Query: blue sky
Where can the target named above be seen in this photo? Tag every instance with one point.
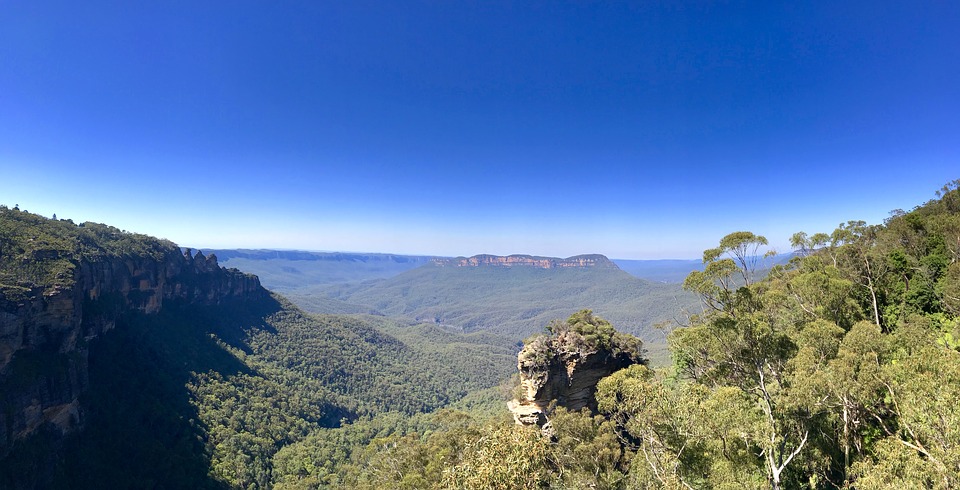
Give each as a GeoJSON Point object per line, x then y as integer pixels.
{"type": "Point", "coordinates": [636, 130]}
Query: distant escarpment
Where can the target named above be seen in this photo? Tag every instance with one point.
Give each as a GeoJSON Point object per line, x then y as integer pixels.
{"type": "Point", "coordinates": [594, 260]}
{"type": "Point", "coordinates": [565, 366]}
{"type": "Point", "coordinates": [64, 285]}
{"type": "Point", "coordinates": [305, 256]}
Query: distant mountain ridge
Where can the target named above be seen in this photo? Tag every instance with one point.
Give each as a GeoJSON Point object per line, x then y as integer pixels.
{"type": "Point", "coordinates": [265, 254]}
{"type": "Point", "coordinates": [515, 301]}
{"type": "Point", "coordinates": [486, 260]}
{"type": "Point", "coordinates": [510, 296]}
{"type": "Point", "coordinates": [292, 271]}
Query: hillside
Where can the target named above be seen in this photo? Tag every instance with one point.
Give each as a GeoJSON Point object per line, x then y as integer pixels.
{"type": "Point", "coordinates": [299, 275]}
{"type": "Point", "coordinates": [298, 272]}
{"type": "Point", "coordinates": [119, 347]}
{"type": "Point", "coordinates": [306, 278]}
{"type": "Point", "coordinates": [840, 369]}
{"type": "Point", "coordinates": [518, 300]}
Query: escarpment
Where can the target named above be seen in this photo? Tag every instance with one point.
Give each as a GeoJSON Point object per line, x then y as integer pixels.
{"type": "Point", "coordinates": [579, 261]}
{"type": "Point", "coordinates": [565, 366]}
{"type": "Point", "coordinates": [62, 286]}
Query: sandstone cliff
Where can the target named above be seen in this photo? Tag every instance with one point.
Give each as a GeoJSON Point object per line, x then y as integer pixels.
{"type": "Point", "coordinates": [528, 261]}
{"type": "Point", "coordinates": [55, 299]}
{"type": "Point", "coordinates": [565, 366]}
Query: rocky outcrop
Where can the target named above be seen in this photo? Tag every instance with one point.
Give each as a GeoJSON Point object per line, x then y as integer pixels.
{"type": "Point", "coordinates": [565, 367]}
{"type": "Point", "coordinates": [45, 330]}
{"type": "Point", "coordinates": [528, 261]}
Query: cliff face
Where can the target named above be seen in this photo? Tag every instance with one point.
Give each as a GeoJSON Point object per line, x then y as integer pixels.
{"type": "Point", "coordinates": [45, 330]}
{"type": "Point", "coordinates": [528, 261]}
{"type": "Point", "coordinates": [566, 366]}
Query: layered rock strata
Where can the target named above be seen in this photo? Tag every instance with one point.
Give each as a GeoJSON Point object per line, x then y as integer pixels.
{"type": "Point", "coordinates": [563, 369]}
{"type": "Point", "coordinates": [45, 330]}
{"type": "Point", "coordinates": [527, 261]}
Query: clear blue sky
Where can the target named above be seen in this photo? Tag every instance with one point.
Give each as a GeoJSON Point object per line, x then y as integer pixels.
{"type": "Point", "coordinates": [636, 130]}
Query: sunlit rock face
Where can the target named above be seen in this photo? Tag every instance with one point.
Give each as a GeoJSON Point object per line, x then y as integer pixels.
{"type": "Point", "coordinates": [562, 369]}
{"type": "Point", "coordinates": [528, 261]}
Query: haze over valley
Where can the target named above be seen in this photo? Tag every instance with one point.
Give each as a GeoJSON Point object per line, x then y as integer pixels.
{"type": "Point", "coordinates": [490, 245]}
{"type": "Point", "coordinates": [512, 296]}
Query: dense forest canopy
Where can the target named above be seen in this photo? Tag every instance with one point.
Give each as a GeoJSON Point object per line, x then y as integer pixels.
{"type": "Point", "coordinates": [840, 369]}
{"type": "Point", "coordinates": [194, 395]}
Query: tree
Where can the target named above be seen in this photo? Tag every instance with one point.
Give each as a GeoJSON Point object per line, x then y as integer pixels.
{"type": "Point", "coordinates": [806, 245]}
{"type": "Point", "coordinates": [923, 434]}
{"type": "Point", "coordinates": [822, 291]}
{"type": "Point", "coordinates": [717, 283]}
{"type": "Point", "coordinates": [840, 375]}
{"type": "Point", "coordinates": [502, 458]}
{"type": "Point", "coordinates": [861, 256]}
{"type": "Point", "coordinates": [743, 248]}
{"type": "Point", "coordinates": [741, 344]}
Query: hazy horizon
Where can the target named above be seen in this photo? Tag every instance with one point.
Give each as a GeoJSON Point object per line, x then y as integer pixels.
{"type": "Point", "coordinates": [375, 252]}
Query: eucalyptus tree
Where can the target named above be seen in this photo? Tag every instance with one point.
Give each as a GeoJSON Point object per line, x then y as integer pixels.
{"type": "Point", "coordinates": [739, 342]}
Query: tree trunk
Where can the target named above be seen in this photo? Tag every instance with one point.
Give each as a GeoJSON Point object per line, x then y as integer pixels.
{"type": "Point", "coordinates": [846, 438]}
{"type": "Point", "coordinates": [873, 292]}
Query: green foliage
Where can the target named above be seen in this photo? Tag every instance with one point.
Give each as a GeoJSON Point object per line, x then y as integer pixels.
{"type": "Point", "coordinates": [839, 370]}
{"type": "Point", "coordinates": [284, 414]}
{"type": "Point", "coordinates": [835, 371]}
{"type": "Point", "coordinates": [597, 333]}
{"type": "Point", "coordinates": [514, 303]}
{"type": "Point", "coordinates": [350, 357]}
{"type": "Point", "coordinates": [839, 401]}
{"type": "Point", "coordinates": [137, 409]}
{"type": "Point", "coordinates": [595, 330]}
{"type": "Point", "coordinates": [262, 409]}
{"type": "Point", "coordinates": [537, 353]}
{"type": "Point", "coordinates": [587, 452]}
{"type": "Point", "coordinates": [743, 249]}
{"type": "Point", "coordinates": [41, 252]}
{"type": "Point", "coordinates": [581, 334]}
{"type": "Point", "coordinates": [501, 458]}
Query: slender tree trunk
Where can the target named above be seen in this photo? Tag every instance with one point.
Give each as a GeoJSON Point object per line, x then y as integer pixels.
{"type": "Point", "coordinates": [846, 438]}
{"type": "Point", "coordinates": [873, 292]}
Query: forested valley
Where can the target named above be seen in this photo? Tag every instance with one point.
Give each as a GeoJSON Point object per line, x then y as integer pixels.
{"type": "Point", "coordinates": [840, 369]}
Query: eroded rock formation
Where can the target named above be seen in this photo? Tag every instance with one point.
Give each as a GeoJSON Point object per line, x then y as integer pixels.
{"type": "Point", "coordinates": [565, 367]}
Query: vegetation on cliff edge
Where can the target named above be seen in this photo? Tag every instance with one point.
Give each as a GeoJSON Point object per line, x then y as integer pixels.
{"type": "Point", "coordinates": [838, 370]}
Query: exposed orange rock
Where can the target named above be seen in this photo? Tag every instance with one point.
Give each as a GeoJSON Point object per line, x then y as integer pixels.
{"type": "Point", "coordinates": [594, 260]}
{"type": "Point", "coordinates": [564, 369]}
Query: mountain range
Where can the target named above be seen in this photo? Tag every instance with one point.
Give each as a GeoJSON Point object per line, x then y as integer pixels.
{"type": "Point", "coordinates": [511, 296]}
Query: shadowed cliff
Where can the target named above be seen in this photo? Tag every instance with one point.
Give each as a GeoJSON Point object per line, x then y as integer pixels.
{"type": "Point", "coordinates": [128, 363]}
{"type": "Point", "coordinates": [64, 363]}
